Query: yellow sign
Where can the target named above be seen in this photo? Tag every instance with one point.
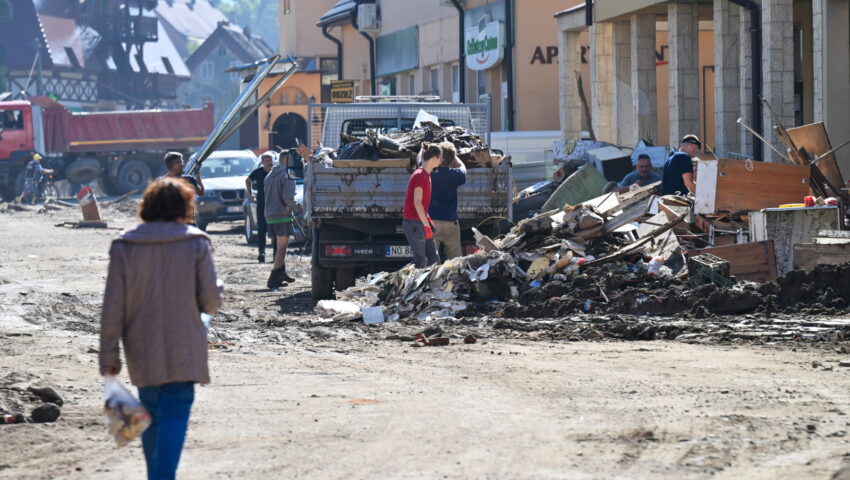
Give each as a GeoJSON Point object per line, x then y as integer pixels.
{"type": "Point", "coordinates": [342, 91]}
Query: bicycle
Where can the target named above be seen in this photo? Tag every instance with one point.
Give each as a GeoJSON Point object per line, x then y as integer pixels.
{"type": "Point", "coordinates": [49, 191]}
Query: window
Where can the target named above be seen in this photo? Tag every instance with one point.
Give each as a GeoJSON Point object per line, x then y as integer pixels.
{"type": "Point", "coordinates": [455, 82]}
{"type": "Point", "coordinates": [411, 84]}
{"type": "Point", "coordinates": [72, 57]}
{"type": "Point", "coordinates": [207, 70]}
{"type": "Point", "coordinates": [167, 64]}
{"type": "Point", "coordinates": [235, 74]}
{"type": "Point", "coordinates": [286, 7]}
{"type": "Point", "coordinates": [222, 50]}
{"type": "Point", "coordinates": [5, 10]}
{"type": "Point", "coordinates": [12, 120]}
{"type": "Point", "coordinates": [435, 81]}
{"type": "Point", "coordinates": [482, 82]}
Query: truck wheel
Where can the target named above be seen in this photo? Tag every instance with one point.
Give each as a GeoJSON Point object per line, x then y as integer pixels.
{"type": "Point", "coordinates": [82, 170]}
{"type": "Point", "coordinates": [132, 175]}
{"type": "Point", "coordinates": [343, 278]}
{"type": "Point", "coordinates": [19, 184]}
{"type": "Point", "coordinates": [250, 234]}
{"type": "Point", "coordinates": [322, 284]}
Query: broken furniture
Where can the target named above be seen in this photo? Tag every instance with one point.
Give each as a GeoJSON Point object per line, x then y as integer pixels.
{"type": "Point", "coordinates": [731, 186]}
{"type": "Point", "coordinates": [790, 226]}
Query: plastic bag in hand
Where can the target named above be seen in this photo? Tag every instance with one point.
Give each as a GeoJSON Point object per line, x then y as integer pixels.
{"type": "Point", "coordinates": [126, 418]}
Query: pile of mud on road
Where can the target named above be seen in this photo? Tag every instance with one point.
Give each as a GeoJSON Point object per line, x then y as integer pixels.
{"type": "Point", "coordinates": [601, 257]}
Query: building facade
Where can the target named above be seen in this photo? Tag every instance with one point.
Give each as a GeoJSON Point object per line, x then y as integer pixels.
{"type": "Point", "coordinates": [662, 69]}
{"type": "Point", "coordinates": [487, 51]}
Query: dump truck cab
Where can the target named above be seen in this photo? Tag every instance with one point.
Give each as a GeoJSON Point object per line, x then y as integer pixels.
{"type": "Point", "coordinates": [21, 134]}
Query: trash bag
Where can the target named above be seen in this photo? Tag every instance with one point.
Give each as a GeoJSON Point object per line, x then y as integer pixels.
{"type": "Point", "coordinates": [126, 418]}
{"type": "Point", "coordinates": [358, 151]}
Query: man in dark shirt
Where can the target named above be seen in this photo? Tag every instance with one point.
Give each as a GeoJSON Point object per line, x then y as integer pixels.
{"type": "Point", "coordinates": [255, 181]}
{"type": "Point", "coordinates": [679, 170]}
{"type": "Point", "coordinates": [174, 164]}
{"type": "Point", "coordinates": [445, 181]}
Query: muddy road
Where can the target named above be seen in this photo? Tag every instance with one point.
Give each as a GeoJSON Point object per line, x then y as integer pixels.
{"type": "Point", "coordinates": [298, 396]}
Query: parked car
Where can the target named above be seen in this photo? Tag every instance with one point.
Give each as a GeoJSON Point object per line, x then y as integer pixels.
{"type": "Point", "coordinates": [250, 214]}
{"type": "Point", "coordinates": [223, 175]}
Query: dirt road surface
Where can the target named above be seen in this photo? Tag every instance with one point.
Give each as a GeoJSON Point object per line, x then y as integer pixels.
{"type": "Point", "coordinates": [295, 396]}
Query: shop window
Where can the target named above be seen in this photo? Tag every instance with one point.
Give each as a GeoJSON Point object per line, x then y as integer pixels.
{"type": "Point", "coordinates": [455, 82]}
{"type": "Point", "coordinates": [435, 81]}
{"type": "Point", "coordinates": [482, 82]}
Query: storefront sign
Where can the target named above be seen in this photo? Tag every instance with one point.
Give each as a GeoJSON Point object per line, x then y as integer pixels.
{"type": "Point", "coordinates": [342, 91]}
{"type": "Point", "coordinates": [485, 45]}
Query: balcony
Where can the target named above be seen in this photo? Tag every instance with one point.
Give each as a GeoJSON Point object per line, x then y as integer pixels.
{"type": "Point", "coordinates": [134, 29]}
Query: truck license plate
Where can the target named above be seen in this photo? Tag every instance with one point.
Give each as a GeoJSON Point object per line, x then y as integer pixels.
{"type": "Point", "coordinates": [399, 251]}
{"type": "Point", "coordinates": [234, 209]}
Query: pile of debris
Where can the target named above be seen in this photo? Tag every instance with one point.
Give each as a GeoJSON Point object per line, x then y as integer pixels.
{"type": "Point", "coordinates": [553, 247]}
{"type": "Point", "coordinates": [471, 148]}
{"type": "Point", "coordinates": [614, 254]}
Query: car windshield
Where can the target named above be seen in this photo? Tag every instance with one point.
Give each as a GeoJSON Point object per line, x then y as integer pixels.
{"type": "Point", "coordinates": [227, 167]}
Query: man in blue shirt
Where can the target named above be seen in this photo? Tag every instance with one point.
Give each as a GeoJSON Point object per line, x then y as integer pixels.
{"type": "Point", "coordinates": [642, 176]}
{"type": "Point", "coordinates": [445, 181]}
{"type": "Point", "coordinates": [679, 170]}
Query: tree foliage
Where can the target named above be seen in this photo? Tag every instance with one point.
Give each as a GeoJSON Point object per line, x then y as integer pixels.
{"type": "Point", "coordinates": [260, 16]}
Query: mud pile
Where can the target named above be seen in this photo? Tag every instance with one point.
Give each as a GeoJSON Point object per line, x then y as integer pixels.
{"type": "Point", "coordinates": [822, 291]}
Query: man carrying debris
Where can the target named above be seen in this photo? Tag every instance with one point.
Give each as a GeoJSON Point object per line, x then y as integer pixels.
{"type": "Point", "coordinates": [642, 176]}
{"type": "Point", "coordinates": [256, 181]}
{"type": "Point", "coordinates": [174, 164]}
{"type": "Point", "coordinates": [445, 181]}
{"type": "Point", "coordinates": [280, 206]}
{"type": "Point", "coordinates": [416, 223]}
{"type": "Point", "coordinates": [678, 170]}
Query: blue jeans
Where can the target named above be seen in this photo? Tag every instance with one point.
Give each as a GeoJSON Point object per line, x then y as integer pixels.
{"type": "Point", "coordinates": [169, 406]}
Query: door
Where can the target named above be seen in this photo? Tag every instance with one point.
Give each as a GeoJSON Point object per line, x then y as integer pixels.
{"type": "Point", "coordinates": [287, 128]}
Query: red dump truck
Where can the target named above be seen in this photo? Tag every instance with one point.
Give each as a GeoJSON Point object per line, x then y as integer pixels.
{"type": "Point", "coordinates": [123, 149]}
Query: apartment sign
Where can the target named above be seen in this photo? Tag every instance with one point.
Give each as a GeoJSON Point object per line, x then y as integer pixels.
{"type": "Point", "coordinates": [485, 45]}
{"type": "Point", "coordinates": [342, 91]}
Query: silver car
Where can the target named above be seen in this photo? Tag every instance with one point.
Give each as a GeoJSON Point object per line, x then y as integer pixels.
{"type": "Point", "coordinates": [223, 175]}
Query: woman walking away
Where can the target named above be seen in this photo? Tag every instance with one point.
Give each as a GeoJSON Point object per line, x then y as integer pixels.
{"type": "Point", "coordinates": [161, 277]}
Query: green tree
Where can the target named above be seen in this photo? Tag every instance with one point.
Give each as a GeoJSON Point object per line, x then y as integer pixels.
{"type": "Point", "coordinates": [260, 16]}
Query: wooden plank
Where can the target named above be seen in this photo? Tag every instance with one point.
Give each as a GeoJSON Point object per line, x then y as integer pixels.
{"type": "Point", "coordinates": [743, 185]}
{"type": "Point", "coordinates": [631, 214]}
{"type": "Point", "coordinates": [382, 163]}
{"type": "Point", "coordinates": [807, 255]}
{"type": "Point", "coordinates": [814, 139]}
{"type": "Point", "coordinates": [755, 261]}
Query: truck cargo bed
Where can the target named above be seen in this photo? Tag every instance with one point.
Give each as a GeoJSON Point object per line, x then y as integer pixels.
{"type": "Point", "coordinates": [378, 193]}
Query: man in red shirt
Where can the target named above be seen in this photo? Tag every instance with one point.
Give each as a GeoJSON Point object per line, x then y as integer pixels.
{"type": "Point", "coordinates": [416, 223]}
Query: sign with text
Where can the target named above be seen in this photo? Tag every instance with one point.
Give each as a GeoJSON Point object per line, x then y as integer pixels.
{"type": "Point", "coordinates": [342, 91]}
{"type": "Point", "coordinates": [485, 45]}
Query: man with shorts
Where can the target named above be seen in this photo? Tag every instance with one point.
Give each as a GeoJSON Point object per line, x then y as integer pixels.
{"type": "Point", "coordinates": [280, 206]}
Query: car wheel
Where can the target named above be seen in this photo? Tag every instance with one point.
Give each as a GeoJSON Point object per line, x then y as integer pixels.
{"type": "Point", "coordinates": [133, 175]}
{"type": "Point", "coordinates": [321, 283]}
{"type": "Point", "coordinates": [250, 232]}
